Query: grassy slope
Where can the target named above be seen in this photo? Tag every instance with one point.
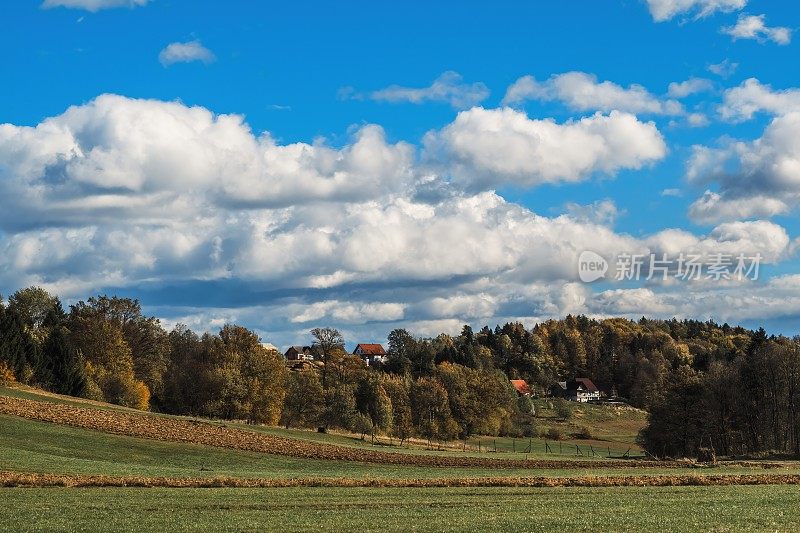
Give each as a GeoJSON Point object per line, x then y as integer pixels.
{"type": "Point", "coordinates": [32, 446]}
{"type": "Point", "coordinates": [766, 508]}
{"type": "Point", "coordinates": [617, 428]}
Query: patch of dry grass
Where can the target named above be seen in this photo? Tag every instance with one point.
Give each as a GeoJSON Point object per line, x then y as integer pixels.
{"type": "Point", "coordinates": [17, 479]}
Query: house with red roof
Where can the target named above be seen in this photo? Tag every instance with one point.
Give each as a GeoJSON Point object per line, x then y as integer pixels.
{"type": "Point", "coordinates": [371, 353]}
{"type": "Point", "coordinates": [521, 386]}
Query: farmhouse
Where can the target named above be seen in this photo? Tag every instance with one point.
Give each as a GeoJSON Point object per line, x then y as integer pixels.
{"type": "Point", "coordinates": [577, 390]}
{"type": "Point", "coordinates": [521, 386]}
{"type": "Point", "coordinates": [299, 353]}
{"type": "Point", "coordinates": [371, 353]}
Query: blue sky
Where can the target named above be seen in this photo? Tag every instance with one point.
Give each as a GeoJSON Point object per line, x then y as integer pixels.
{"type": "Point", "coordinates": [346, 168]}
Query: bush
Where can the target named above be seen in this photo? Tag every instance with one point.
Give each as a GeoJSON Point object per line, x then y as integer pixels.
{"type": "Point", "coordinates": [525, 405]}
{"type": "Point", "coordinates": [706, 455]}
{"type": "Point", "coordinates": [362, 424]}
{"type": "Point", "coordinates": [126, 391]}
{"type": "Point", "coordinates": [529, 429]}
{"type": "Point", "coordinates": [563, 410]}
{"type": "Point", "coordinates": [140, 396]}
{"type": "Point", "coordinates": [583, 433]}
{"type": "Point", "coordinates": [6, 374]}
{"type": "Point", "coordinates": [555, 434]}
{"type": "Point", "coordinates": [26, 376]}
{"type": "Point", "coordinates": [93, 391]}
{"type": "Point", "coordinates": [521, 425]}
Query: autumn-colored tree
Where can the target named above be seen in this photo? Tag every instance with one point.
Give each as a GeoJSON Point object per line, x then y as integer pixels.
{"type": "Point", "coordinates": [431, 410]}
{"type": "Point", "coordinates": [147, 341]}
{"type": "Point", "coordinates": [373, 401]}
{"type": "Point", "coordinates": [397, 389]}
{"type": "Point", "coordinates": [344, 368]}
{"type": "Point", "coordinates": [186, 388]}
{"type": "Point", "coordinates": [401, 351]}
{"type": "Point", "coordinates": [109, 364]}
{"type": "Point", "coordinates": [361, 424]}
{"type": "Point", "coordinates": [340, 407]}
{"type": "Point", "coordinates": [247, 380]}
{"type": "Point", "coordinates": [480, 401]}
{"type": "Point", "coordinates": [328, 344]}
{"type": "Point", "coordinates": [37, 309]}
{"type": "Point", "coordinates": [304, 401]}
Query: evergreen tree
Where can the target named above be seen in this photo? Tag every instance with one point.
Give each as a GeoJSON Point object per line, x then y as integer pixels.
{"type": "Point", "coordinates": [64, 364]}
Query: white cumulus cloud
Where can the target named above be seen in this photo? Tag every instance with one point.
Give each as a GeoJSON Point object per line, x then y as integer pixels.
{"type": "Point", "coordinates": [754, 27]}
{"type": "Point", "coordinates": [448, 88]}
{"type": "Point", "coordinates": [712, 208]}
{"type": "Point", "coordinates": [751, 97]}
{"type": "Point", "coordinates": [755, 179]}
{"type": "Point", "coordinates": [662, 10]}
{"type": "Point", "coordinates": [486, 148]}
{"type": "Point", "coordinates": [118, 155]}
{"type": "Point", "coordinates": [582, 92]}
{"type": "Point", "coordinates": [724, 69]}
{"type": "Point", "coordinates": [185, 53]}
{"type": "Point", "coordinates": [689, 87]}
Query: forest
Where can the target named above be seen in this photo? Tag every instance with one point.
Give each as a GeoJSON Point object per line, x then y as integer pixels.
{"type": "Point", "coordinates": [704, 385]}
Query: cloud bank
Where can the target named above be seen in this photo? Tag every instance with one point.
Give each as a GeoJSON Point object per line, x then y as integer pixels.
{"type": "Point", "coordinates": [177, 201]}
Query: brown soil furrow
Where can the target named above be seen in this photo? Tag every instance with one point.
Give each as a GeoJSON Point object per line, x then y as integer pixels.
{"type": "Point", "coordinates": [16, 479]}
{"type": "Point", "coordinates": [215, 434]}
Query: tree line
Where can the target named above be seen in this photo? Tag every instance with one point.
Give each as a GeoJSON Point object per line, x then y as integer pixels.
{"type": "Point", "coordinates": [105, 349]}
{"type": "Point", "coordinates": [703, 384]}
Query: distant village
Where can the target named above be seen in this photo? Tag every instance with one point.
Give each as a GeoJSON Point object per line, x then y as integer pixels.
{"type": "Point", "coordinates": [578, 389]}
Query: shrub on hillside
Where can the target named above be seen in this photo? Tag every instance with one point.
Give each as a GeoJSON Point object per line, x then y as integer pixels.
{"type": "Point", "coordinates": [554, 434]}
{"type": "Point", "coordinates": [563, 410]}
{"type": "Point", "coordinates": [93, 391]}
{"type": "Point", "coordinates": [6, 374]}
{"type": "Point", "coordinates": [362, 424]}
{"type": "Point", "coordinates": [583, 433]}
{"type": "Point", "coordinates": [126, 391]}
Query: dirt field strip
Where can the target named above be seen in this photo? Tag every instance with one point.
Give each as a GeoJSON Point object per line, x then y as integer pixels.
{"type": "Point", "coordinates": [216, 434]}
{"type": "Point", "coordinates": [22, 480]}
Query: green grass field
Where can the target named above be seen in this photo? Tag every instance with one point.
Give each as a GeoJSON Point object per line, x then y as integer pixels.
{"type": "Point", "coordinates": [30, 446]}
{"type": "Point", "coordinates": [41, 447]}
{"type": "Point", "coordinates": [766, 508]}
